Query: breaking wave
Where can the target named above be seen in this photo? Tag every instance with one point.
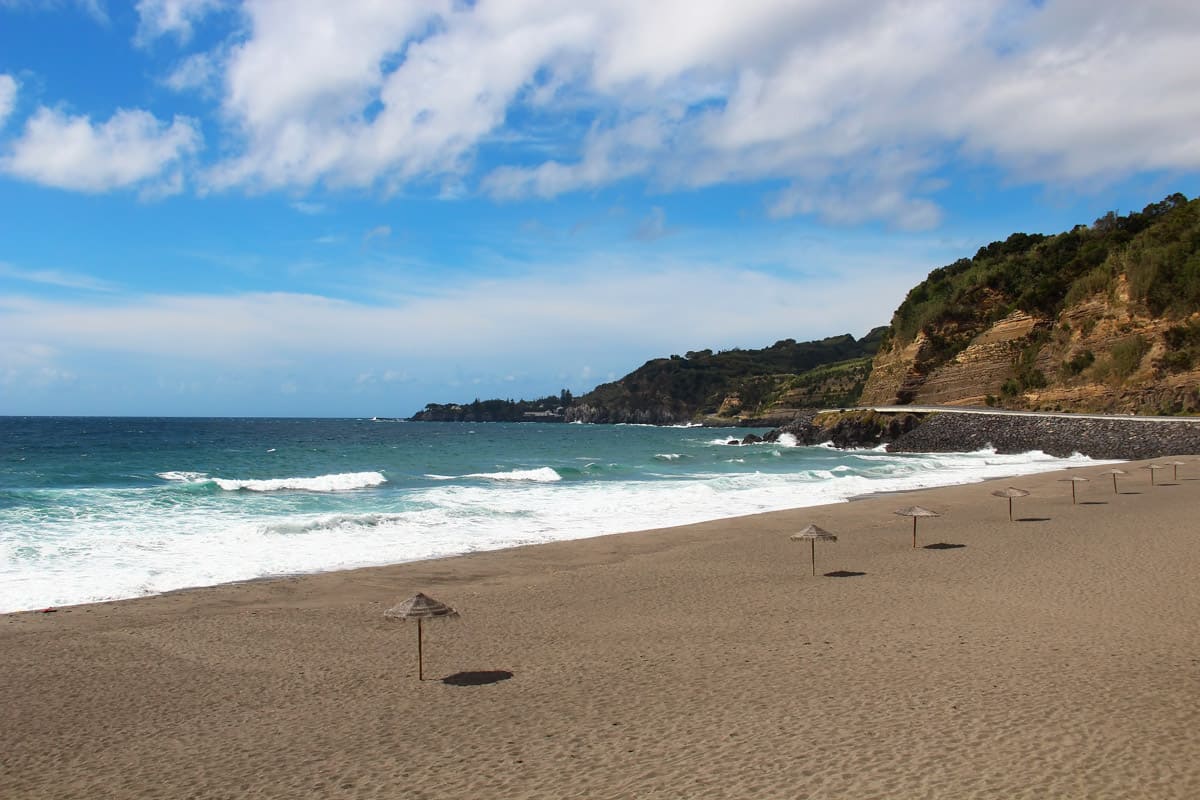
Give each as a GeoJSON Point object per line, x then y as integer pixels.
{"type": "Point", "coordinates": [338, 482]}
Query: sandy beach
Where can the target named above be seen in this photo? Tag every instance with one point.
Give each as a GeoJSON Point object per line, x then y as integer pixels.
{"type": "Point", "coordinates": [1055, 656]}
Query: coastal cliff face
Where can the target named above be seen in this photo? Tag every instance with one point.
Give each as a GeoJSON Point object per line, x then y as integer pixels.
{"type": "Point", "coordinates": [1103, 319]}
{"type": "Point", "coordinates": [1098, 356]}
{"type": "Point", "coordinates": [766, 387]}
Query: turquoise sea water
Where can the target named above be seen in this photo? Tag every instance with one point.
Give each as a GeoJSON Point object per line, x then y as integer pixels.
{"type": "Point", "coordinates": [103, 508]}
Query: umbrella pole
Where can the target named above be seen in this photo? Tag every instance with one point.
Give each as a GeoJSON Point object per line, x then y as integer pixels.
{"type": "Point", "coordinates": [1072, 492]}
{"type": "Point", "coordinates": [813, 542]}
{"type": "Point", "coordinates": [914, 531]}
{"type": "Point", "coordinates": [420, 660]}
{"type": "Point", "coordinates": [1114, 484]}
{"type": "Point", "coordinates": [1010, 509]}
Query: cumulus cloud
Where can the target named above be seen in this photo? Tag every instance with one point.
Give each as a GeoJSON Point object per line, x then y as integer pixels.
{"type": "Point", "coordinates": [1089, 94]}
{"type": "Point", "coordinates": [691, 94]}
{"type": "Point", "coordinates": [159, 17]}
{"type": "Point", "coordinates": [8, 96]}
{"type": "Point", "coordinates": [199, 71]}
{"type": "Point", "coordinates": [133, 148]}
{"type": "Point", "coordinates": [849, 105]}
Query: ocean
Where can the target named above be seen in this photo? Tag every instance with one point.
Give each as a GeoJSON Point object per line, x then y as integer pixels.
{"type": "Point", "coordinates": [98, 508]}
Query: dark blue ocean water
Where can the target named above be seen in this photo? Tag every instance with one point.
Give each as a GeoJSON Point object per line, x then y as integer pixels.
{"type": "Point", "coordinates": [103, 508]}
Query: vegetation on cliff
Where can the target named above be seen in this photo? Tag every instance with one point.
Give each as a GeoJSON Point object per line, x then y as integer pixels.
{"type": "Point", "coordinates": [1104, 317]}
{"type": "Point", "coordinates": [1101, 317]}
{"type": "Point", "coordinates": [734, 384]}
{"type": "Point", "coordinates": [728, 386]}
{"type": "Point", "coordinates": [1157, 249]}
{"type": "Point", "coordinates": [546, 409]}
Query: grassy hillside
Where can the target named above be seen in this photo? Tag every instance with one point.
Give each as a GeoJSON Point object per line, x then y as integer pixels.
{"type": "Point", "coordinates": [1156, 249]}
{"type": "Point", "coordinates": [735, 383]}
{"type": "Point", "coordinates": [1102, 317]}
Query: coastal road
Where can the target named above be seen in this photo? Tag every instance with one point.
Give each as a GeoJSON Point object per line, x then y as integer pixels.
{"type": "Point", "coordinates": [989, 410]}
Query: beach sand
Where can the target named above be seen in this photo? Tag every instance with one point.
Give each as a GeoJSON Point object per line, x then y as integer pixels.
{"type": "Point", "coordinates": [1057, 656]}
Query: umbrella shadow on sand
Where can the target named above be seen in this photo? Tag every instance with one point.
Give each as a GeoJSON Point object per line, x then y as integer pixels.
{"type": "Point", "coordinates": [843, 573]}
{"type": "Point", "coordinates": [943, 546]}
{"type": "Point", "coordinates": [477, 678]}
{"type": "Point", "coordinates": [1032, 519]}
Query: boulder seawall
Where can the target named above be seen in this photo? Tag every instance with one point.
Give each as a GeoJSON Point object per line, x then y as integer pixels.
{"type": "Point", "coordinates": [1127, 439]}
{"type": "Point", "coordinates": [932, 432]}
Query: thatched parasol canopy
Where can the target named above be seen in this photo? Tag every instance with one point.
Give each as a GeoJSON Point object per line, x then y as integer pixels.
{"type": "Point", "coordinates": [420, 607]}
{"type": "Point", "coordinates": [1010, 493]}
{"type": "Point", "coordinates": [1153, 469]}
{"type": "Point", "coordinates": [914, 512]}
{"type": "Point", "coordinates": [1115, 472]}
{"type": "Point", "coordinates": [1074, 479]}
{"type": "Point", "coordinates": [812, 533]}
{"type": "Point", "coordinates": [1175, 465]}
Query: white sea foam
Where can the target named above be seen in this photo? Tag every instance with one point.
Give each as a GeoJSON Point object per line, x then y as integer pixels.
{"type": "Point", "coordinates": [183, 477]}
{"type": "Point", "coordinates": [127, 542]}
{"type": "Point", "coordinates": [330, 522]}
{"type": "Point", "coordinates": [341, 482]}
{"type": "Point", "coordinates": [539, 475]}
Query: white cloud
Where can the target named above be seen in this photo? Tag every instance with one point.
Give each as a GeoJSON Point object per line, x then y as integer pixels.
{"type": "Point", "coordinates": [199, 71]}
{"type": "Point", "coordinates": [8, 96]}
{"type": "Point", "coordinates": [563, 308]}
{"type": "Point", "coordinates": [608, 312]}
{"type": "Point", "coordinates": [1093, 94]}
{"type": "Point", "coordinates": [159, 17]}
{"type": "Point", "coordinates": [25, 366]}
{"type": "Point", "coordinates": [133, 148]}
{"type": "Point", "coordinates": [696, 93]}
{"type": "Point", "coordinates": [309, 208]}
{"type": "Point", "coordinates": [51, 277]}
{"type": "Point", "coordinates": [93, 8]}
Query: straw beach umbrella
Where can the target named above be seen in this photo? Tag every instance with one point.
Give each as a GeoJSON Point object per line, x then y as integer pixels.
{"type": "Point", "coordinates": [812, 533]}
{"type": "Point", "coordinates": [1074, 479]}
{"type": "Point", "coordinates": [914, 512]}
{"type": "Point", "coordinates": [1010, 493]}
{"type": "Point", "coordinates": [420, 607]}
{"type": "Point", "coordinates": [1115, 472]}
{"type": "Point", "coordinates": [1153, 469]}
{"type": "Point", "coordinates": [1175, 465]}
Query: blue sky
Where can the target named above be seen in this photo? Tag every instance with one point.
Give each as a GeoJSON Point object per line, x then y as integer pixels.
{"type": "Point", "coordinates": [297, 207]}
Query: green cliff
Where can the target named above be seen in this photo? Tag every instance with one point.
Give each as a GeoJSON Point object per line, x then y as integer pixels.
{"type": "Point", "coordinates": [1104, 317]}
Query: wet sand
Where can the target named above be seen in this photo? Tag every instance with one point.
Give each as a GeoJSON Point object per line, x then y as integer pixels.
{"type": "Point", "coordinates": [1054, 656]}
